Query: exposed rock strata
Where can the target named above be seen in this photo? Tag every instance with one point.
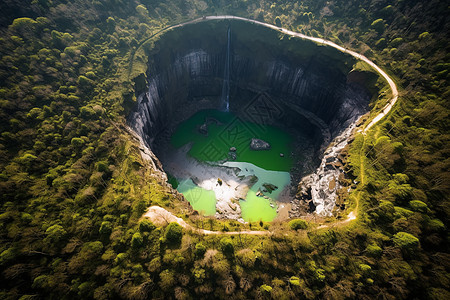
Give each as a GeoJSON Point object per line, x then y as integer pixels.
{"type": "Point", "coordinates": [322, 186]}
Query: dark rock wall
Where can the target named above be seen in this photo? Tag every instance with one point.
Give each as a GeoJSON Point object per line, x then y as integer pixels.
{"type": "Point", "coordinates": [178, 77]}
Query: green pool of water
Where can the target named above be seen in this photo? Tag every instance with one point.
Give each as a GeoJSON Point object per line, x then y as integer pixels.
{"type": "Point", "coordinates": [234, 132]}
{"type": "Point", "coordinates": [255, 208]}
{"type": "Point", "coordinates": [202, 200]}
{"type": "Point", "coordinates": [225, 130]}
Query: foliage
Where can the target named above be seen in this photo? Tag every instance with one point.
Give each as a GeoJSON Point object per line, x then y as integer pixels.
{"type": "Point", "coordinates": [297, 224]}
{"type": "Point", "coordinates": [73, 185]}
{"type": "Point", "coordinates": [200, 250]}
{"type": "Point", "coordinates": [137, 240]}
{"type": "Point", "coordinates": [146, 226]}
{"type": "Point", "coordinates": [406, 241]}
{"type": "Point", "coordinates": [174, 233]}
{"type": "Point", "coordinates": [227, 247]}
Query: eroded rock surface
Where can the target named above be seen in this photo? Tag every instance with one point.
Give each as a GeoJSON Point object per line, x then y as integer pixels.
{"type": "Point", "coordinates": [257, 144]}
{"type": "Point", "coordinates": [322, 186]}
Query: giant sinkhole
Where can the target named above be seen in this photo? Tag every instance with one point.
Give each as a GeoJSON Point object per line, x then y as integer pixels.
{"type": "Point", "coordinates": [238, 114]}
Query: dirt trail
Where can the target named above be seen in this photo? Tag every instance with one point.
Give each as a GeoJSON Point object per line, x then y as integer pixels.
{"type": "Point", "coordinates": [161, 216]}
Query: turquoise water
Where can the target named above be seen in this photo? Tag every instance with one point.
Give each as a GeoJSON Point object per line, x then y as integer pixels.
{"type": "Point", "coordinates": [255, 208]}
{"type": "Point", "coordinates": [225, 130]}
{"type": "Point", "coordinates": [202, 200]}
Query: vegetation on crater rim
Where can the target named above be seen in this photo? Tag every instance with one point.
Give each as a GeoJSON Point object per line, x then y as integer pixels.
{"type": "Point", "coordinates": [72, 180]}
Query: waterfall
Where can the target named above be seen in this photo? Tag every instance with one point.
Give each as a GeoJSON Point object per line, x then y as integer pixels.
{"type": "Point", "coordinates": [226, 74]}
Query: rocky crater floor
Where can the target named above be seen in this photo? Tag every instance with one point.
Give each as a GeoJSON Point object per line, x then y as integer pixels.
{"type": "Point", "coordinates": [232, 182]}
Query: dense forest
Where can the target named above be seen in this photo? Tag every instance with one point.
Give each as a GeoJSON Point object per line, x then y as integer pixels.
{"type": "Point", "coordinates": [73, 186]}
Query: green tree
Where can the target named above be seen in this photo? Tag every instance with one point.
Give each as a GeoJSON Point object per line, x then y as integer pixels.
{"type": "Point", "coordinates": [111, 24]}
{"type": "Point", "coordinates": [8, 255]}
{"type": "Point", "coordinates": [200, 250]}
{"type": "Point", "coordinates": [418, 206]}
{"type": "Point", "coordinates": [405, 241]}
{"type": "Point", "coordinates": [146, 226]}
{"type": "Point", "coordinates": [374, 250]}
{"type": "Point", "coordinates": [294, 280]}
{"type": "Point", "coordinates": [278, 21]}
{"type": "Point", "coordinates": [174, 233]}
{"type": "Point", "coordinates": [227, 247]}
{"type": "Point", "coordinates": [77, 142]}
{"type": "Point", "coordinates": [297, 224]}
{"type": "Point", "coordinates": [137, 240]}
{"type": "Point", "coordinates": [266, 289]}
{"type": "Point", "coordinates": [24, 26]}
{"type": "Point", "coordinates": [55, 234]}
{"type": "Point", "coordinates": [378, 25]}
{"type": "Point", "coordinates": [167, 280]}
{"type": "Point", "coordinates": [105, 228]}
{"type": "Point", "coordinates": [120, 258]}
{"type": "Point", "coordinates": [41, 282]}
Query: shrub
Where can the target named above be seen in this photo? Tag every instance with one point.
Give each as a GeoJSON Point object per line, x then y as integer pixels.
{"type": "Point", "coordinates": [298, 224]}
{"type": "Point", "coordinates": [174, 233]}
{"type": "Point", "coordinates": [137, 240]}
{"type": "Point", "coordinates": [200, 250]}
{"type": "Point", "coordinates": [55, 233]}
{"type": "Point", "coordinates": [7, 255]}
{"type": "Point", "coordinates": [266, 288]}
{"type": "Point", "coordinates": [405, 241]}
{"type": "Point", "coordinates": [418, 206]}
{"type": "Point", "coordinates": [435, 225]}
{"type": "Point", "coordinates": [227, 247]}
{"type": "Point", "coordinates": [105, 228]}
{"type": "Point", "coordinates": [120, 258]}
{"type": "Point", "coordinates": [374, 250]}
{"type": "Point", "coordinates": [378, 25]}
{"type": "Point", "coordinates": [146, 226]}
{"type": "Point", "coordinates": [77, 142]}
{"type": "Point", "coordinates": [294, 280]}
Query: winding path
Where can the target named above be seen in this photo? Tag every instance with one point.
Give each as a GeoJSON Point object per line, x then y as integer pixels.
{"type": "Point", "coordinates": [160, 216]}
{"type": "Point", "coordinates": [156, 213]}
